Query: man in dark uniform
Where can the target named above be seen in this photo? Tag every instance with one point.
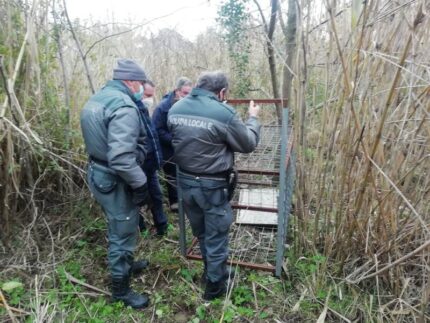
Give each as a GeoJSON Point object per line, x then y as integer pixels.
{"type": "Point", "coordinates": [114, 137]}
{"type": "Point", "coordinates": [205, 134]}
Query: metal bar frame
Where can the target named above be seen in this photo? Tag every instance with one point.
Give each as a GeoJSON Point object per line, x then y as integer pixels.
{"type": "Point", "coordinates": [282, 189]}
{"type": "Point", "coordinates": [256, 183]}
{"type": "Point", "coordinates": [257, 171]}
{"type": "Point", "coordinates": [238, 206]}
{"type": "Point", "coordinates": [251, 265]}
{"type": "Point", "coordinates": [257, 101]}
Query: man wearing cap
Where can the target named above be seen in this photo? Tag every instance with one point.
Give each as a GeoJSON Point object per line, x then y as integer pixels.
{"type": "Point", "coordinates": [159, 118]}
{"type": "Point", "coordinates": [114, 137]}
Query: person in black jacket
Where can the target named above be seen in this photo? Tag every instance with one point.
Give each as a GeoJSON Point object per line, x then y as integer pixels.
{"type": "Point", "coordinates": [152, 163]}
{"type": "Point", "coordinates": [159, 119]}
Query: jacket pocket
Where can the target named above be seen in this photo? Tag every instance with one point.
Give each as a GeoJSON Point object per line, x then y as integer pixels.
{"type": "Point", "coordinates": [225, 219]}
{"type": "Point", "coordinates": [103, 182]}
{"type": "Point", "coordinates": [124, 224]}
{"type": "Point", "coordinates": [219, 219]}
{"type": "Point", "coordinates": [216, 196]}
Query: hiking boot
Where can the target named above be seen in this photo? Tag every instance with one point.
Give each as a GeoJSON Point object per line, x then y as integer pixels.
{"type": "Point", "coordinates": [214, 290]}
{"type": "Point", "coordinates": [230, 273]}
{"type": "Point", "coordinates": [161, 230]}
{"type": "Point", "coordinates": [121, 292]}
{"type": "Point", "coordinates": [138, 266]}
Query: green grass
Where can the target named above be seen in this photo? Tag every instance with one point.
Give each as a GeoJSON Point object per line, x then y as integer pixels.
{"type": "Point", "coordinates": [173, 284]}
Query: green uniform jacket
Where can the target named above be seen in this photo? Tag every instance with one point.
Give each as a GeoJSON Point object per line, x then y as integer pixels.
{"type": "Point", "coordinates": [207, 132]}
{"type": "Point", "coordinates": [113, 132]}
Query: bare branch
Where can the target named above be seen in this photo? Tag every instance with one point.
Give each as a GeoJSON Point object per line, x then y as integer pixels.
{"type": "Point", "coordinates": [84, 60]}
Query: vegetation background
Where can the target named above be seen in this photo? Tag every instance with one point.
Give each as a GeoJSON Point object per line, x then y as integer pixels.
{"type": "Point", "coordinates": [357, 76]}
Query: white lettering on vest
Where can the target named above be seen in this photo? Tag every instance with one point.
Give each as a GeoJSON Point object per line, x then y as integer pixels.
{"type": "Point", "coordinates": [191, 122]}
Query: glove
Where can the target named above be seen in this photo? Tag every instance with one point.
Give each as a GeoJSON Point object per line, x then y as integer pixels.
{"type": "Point", "coordinates": [141, 195]}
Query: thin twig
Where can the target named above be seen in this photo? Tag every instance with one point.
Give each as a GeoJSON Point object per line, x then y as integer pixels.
{"type": "Point", "coordinates": [3, 77]}
{"type": "Point", "coordinates": [255, 295]}
{"type": "Point", "coordinates": [17, 310]}
{"type": "Point", "coordinates": [80, 282]}
{"type": "Point", "coordinates": [78, 45]}
{"type": "Point", "coordinates": [395, 263]}
{"type": "Point", "coordinates": [6, 305]}
{"type": "Point", "coordinates": [419, 217]}
{"type": "Point", "coordinates": [193, 287]}
{"type": "Point", "coordinates": [265, 288]}
{"type": "Point", "coordinates": [11, 82]}
{"type": "Point", "coordinates": [334, 312]}
{"type": "Point", "coordinates": [156, 279]}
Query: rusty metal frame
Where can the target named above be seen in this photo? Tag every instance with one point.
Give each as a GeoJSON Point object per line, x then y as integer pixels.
{"type": "Point", "coordinates": [251, 265]}
{"type": "Point", "coordinates": [256, 183]}
{"type": "Point", "coordinates": [238, 206]}
{"type": "Point", "coordinates": [257, 171]}
{"type": "Point", "coordinates": [257, 101]}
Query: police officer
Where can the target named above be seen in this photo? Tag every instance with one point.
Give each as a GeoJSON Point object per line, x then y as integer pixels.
{"type": "Point", "coordinates": [114, 137]}
{"type": "Point", "coordinates": [206, 132]}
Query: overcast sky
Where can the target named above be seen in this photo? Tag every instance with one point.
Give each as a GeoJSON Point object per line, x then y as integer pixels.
{"type": "Point", "coordinates": [188, 17]}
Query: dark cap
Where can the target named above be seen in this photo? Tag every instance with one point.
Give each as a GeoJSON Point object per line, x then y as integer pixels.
{"type": "Point", "coordinates": [128, 69]}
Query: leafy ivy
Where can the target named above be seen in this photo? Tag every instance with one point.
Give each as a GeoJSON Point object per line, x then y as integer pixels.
{"type": "Point", "coordinates": [233, 18]}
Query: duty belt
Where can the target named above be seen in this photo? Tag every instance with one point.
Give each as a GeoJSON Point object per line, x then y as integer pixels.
{"type": "Point", "coordinates": [99, 161]}
{"type": "Point", "coordinates": [216, 176]}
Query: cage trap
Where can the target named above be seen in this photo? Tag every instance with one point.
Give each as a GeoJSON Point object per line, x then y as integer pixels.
{"type": "Point", "coordinates": [262, 200]}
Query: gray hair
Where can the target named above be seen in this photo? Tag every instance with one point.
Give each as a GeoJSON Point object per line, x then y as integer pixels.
{"type": "Point", "coordinates": [212, 81]}
{"type": "Point", "coordinates": [183, 81]}
{"type": "Point", "coordinates": [150, 83]}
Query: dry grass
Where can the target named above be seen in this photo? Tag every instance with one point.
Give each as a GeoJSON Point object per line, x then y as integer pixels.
{"type": "Point", "coordinates": [364, 166]}
{"type": "Point", "coordinates": [361, 106]}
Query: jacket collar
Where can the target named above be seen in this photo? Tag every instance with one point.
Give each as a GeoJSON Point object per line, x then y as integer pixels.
{"type": "Point", "coordinates": [202, 92]}
{"type": "Point", "coordinates": [169, 96]}
{"type": "Point", "coordinates": [119, 85]}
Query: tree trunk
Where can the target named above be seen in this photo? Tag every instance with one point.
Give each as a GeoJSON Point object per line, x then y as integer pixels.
{"type": "Point", "coordinates": [271, 57]}
{"type": "Point", "coordinates": [290, 38]}
{"type": "Point", "coordinates": [270, 30]}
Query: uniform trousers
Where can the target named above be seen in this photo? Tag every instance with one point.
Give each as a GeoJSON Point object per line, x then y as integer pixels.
{"type": "Point", "coordinates": [207, 207]}
{"type": "Point", "coordinates": [115, 198]}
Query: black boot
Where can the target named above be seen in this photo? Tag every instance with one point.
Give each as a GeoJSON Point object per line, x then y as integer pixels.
{"type": "Point", "coordinates": [121, 291]}
{"type": "Point", "coordinates": [142, 226]}
{"type": "Point", "coordinates": [138, 266]}
{"type": "Point", "coordinates": [204, 278]}
{"type": "Point", "coordinates": [229, 274]}
{"type": "Point", "coordinates": [161, 230]}
{"type": "Point", "coordinates": [214, 290]}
